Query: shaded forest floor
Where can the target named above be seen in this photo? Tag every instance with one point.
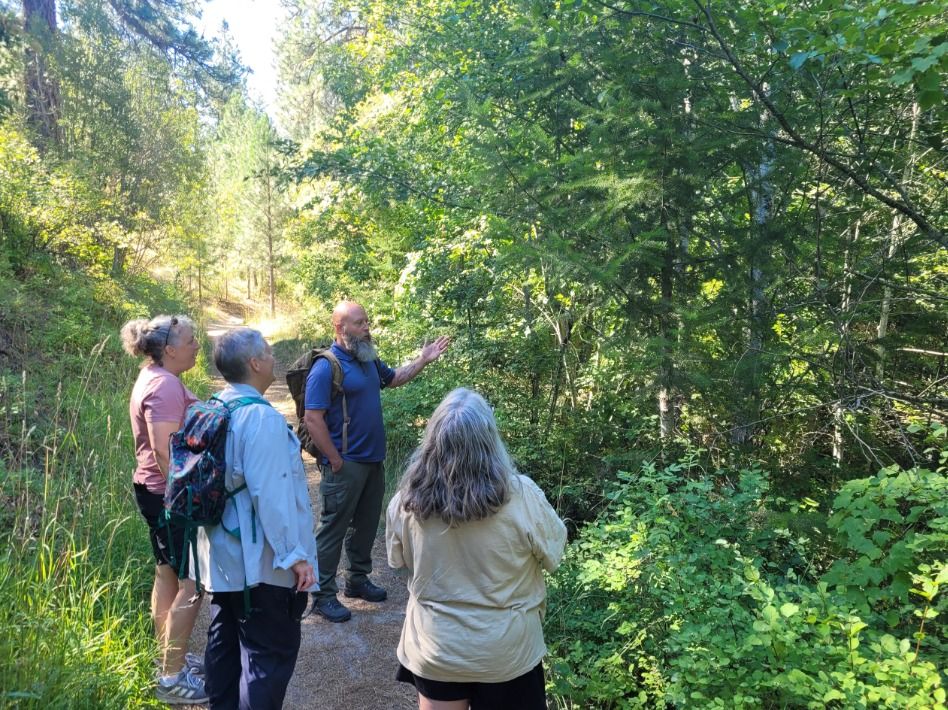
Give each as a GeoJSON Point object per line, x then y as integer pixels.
{"type": "Point", "coordinates": [344, 666]}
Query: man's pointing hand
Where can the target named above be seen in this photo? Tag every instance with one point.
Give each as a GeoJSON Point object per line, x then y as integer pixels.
{"type": "Point", "coordinates": [432, 351]}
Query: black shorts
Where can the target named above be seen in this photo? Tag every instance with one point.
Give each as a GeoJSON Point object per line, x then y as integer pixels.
{"type": "Point", "coordinates": [167, 540]}
{"type": "Point", "coordinates": [526, 692]}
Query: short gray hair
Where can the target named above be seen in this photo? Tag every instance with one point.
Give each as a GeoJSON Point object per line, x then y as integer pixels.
{"type": "Point", "coordinates": [233, 350]}
{"type": "Point", "coordinates": [461, 471]}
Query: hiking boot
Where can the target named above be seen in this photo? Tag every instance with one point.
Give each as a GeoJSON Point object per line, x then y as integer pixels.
{"type": "Point", "coordinates": [194, 664]}
{"type": "Point", "coordinates": [331, 609]}
{"type": "Point", "coordinates": [185, 689]}
{"type": "Point", "coordinates": [368, 591]}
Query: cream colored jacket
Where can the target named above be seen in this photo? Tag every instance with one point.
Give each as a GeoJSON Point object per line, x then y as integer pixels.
{"type": "Point", "coordinates": [476, 592]}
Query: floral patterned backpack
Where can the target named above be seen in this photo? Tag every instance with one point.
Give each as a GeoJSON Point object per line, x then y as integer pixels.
{"type": "Point", "coordinates": [195, 495]}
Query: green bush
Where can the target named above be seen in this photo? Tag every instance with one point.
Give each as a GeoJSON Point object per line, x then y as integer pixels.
{"type": "Point", "coordinates": [681, 595]}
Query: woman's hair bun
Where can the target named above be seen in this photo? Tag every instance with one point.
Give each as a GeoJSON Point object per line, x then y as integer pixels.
{"type": "Point", "coordinates": [133, 337]}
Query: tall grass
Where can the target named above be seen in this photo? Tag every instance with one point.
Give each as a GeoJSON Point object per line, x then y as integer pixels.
{"type": "Point", "coordinates": [75, 563]}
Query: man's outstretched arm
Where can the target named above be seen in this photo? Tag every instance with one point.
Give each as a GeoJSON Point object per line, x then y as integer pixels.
{"type": "Point", "coordinates": [429, 353]}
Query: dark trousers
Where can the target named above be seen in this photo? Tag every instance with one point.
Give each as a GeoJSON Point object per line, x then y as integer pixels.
{"type": "Point", "coordinates": [250, 657]}
{"type": "Point", "coordinates": [352, 504]}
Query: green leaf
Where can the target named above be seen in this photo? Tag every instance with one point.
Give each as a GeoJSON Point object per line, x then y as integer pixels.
{"type": "Point", "coordinates": [799, 59]}
{"type": "Point", "coordinates": [930, 99]}
{"type": "Point", "coordinates": [922, 64]}
{"type": "Point", "coordinates": [889, 644]}
{"type": "Point", "coordinates": [903, 77]}
{"type": "Point", "coordinates": [789, 609]}
{"type": "Point", "coordinates": [929, 81]}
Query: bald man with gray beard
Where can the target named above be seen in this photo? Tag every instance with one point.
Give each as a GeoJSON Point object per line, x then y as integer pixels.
{"type": "Point", "coordinates": [353, 471]}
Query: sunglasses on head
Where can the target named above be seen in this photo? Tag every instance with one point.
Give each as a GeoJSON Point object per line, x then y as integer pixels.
{"type": "Point", "coordinates": [174, 322]}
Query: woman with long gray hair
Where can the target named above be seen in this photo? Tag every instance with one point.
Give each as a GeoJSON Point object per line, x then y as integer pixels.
{"type": "Point", "coordinates": [157, 406]}
{"type": "Point", "coordinates": [475, 536]}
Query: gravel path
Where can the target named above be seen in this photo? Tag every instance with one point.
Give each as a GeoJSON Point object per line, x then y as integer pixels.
{"type": "Point", "coordinates": [348, 666]}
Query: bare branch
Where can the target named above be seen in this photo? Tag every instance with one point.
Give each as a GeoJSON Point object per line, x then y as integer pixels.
{"type": "Point", "coordinates": [935, 353]}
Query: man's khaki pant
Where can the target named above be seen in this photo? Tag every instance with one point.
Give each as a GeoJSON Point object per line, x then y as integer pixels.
{"type": "Point", "coordinates": [351, 507]}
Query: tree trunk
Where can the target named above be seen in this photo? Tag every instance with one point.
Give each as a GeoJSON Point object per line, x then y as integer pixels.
{"type": "Point", "coordinates": [844, 366]}
{"type": "Point", "coordinates": [895, 239]}
{"type": "Point", "coordinates": [272, 289]}
{"type": "Point", "coordinates": [270, 257]}
{"type": "Point", "coordinates": [571, 384]}
{"type": "Point", "coordinates": [42, 94]}
{"type": "Point", "coordinates": [593, 389]}
{"type": "Point", "coordinates": [760, 198]}
{"type": "Point", "coordinates": [667, 419]}
{"type": "Point", "coordinates": [667, 411]}
{"type": "Point", "coordinates": [118, 261]}
{"type": "Point", "coordinates": [528, 318]}
{"type": "Point", "coordinates": [563, 329]}
{"type": "Point", "coordinates": [677, 246]}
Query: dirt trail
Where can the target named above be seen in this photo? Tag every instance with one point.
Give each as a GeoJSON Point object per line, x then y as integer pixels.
{"type": "Point", "coordinates": [348, 666]}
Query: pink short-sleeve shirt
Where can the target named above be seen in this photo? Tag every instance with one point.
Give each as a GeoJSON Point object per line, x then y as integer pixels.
{"type": "Point", "coordinates": [158, 396]}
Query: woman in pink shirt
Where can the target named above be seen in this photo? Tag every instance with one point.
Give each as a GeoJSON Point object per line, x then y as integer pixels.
{"type": "Point", "coordinates": [157, 407]}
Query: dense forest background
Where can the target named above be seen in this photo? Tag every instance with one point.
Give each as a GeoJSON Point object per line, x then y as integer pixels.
{"type": "Point", "coordinates": [694, 254]}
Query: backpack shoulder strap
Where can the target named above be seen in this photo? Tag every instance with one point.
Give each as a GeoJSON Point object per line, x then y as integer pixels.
{"type": "Point", "coordinates": [335, 367]}
{"type": "Point", "coordinates": [239, 402]}
{"type": "Point", "coordinates": [337, 390]}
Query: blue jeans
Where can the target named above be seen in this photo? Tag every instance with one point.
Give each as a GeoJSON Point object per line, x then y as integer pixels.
{"type": "Point", "coordinates": [250, 657]}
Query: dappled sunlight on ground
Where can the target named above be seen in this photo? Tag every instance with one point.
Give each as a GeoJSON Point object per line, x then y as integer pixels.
{"type": "Point", "coordinates": [273, 328]}
{"type": "Point", "coordinates": [218, 327]}
{"type": "Point", "coordinates": [223, 316]}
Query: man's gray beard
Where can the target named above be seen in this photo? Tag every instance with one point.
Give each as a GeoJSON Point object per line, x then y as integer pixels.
{"type": "Point", "coordinates": [362, 350]}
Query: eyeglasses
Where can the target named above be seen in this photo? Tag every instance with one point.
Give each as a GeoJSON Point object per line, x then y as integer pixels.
{"type": "Point", "coordinates": [174, 322]}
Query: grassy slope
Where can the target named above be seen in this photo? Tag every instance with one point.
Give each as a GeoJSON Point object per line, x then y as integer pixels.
{"type": "Point", "coordinates": [75, 565]}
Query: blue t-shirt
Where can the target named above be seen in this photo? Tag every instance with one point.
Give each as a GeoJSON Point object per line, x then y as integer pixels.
{"type": "Point", "coordinates": [362, 383]}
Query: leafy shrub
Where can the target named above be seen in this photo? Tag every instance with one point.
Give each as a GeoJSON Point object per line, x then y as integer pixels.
{"type": "Point", "coordinates": [680, 595]}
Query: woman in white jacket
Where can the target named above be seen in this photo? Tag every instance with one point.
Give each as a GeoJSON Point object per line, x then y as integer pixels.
{"type": "Point", "coordinates": [475, 537]}
{"type": "Point", "coordinates": [260, 561]}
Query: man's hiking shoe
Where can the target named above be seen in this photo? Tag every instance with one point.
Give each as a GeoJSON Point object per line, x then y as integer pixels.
{"type": "Point", "coordinates": [186, 689]}
{"type": "Point", "coordinates": [368, 591]}
{"type": "Point", "coordinates": [331, 609]}
{"type": "Point", "coordinates": [194, 664]}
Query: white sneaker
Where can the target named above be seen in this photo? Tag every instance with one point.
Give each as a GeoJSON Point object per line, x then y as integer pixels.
{"type": "Point", "coordinates": [185, 689]}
